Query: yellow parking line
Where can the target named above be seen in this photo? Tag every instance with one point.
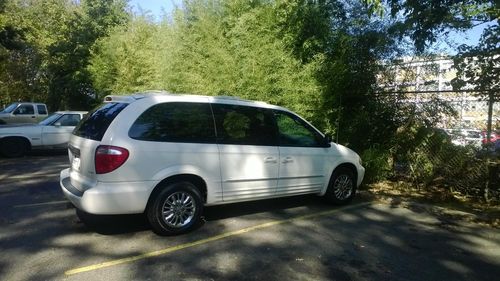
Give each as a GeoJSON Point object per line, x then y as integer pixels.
{"type": "Point", "coordinates": [204, 241]}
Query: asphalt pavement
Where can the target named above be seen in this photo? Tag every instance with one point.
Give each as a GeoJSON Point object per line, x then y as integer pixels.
{"type": "Point", "coordinates": [298, 238]}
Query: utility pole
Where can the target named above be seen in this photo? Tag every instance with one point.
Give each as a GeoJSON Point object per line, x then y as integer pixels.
{"type": "Point", "coordinates": [491, 100]}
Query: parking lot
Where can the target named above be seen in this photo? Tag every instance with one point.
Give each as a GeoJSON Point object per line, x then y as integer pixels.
{"type": "Point", "coordinates": [299, 238]}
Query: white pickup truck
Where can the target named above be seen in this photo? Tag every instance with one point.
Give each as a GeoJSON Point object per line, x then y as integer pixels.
{"type": "Point", "coordinates": [23, 112]}
{"type": "Point", "coordinates": [52, 133]}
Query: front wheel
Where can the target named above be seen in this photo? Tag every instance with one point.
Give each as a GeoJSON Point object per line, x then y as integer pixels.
{"type": "Point", "coordinates": [342, 186]}
{"type": "Point", "coordinates": [14, 147]}
{"type": "Point", "coordinates": [176, 209]}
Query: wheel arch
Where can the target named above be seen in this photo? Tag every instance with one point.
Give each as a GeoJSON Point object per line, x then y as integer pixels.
{"type": "Point", "coordinates": [196, 180]}
{"type": "Point", "coordinates": [26, 140]}
{"type": "Point", "coordinates": [347, 165]}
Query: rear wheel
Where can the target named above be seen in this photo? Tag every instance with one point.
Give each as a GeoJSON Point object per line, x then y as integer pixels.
{"type": "Point", "coordinates": [342, 186]}
{"type": "Point", "coordinates": [14, 147]}
{"type": "Point", "coordinates": [176, 209]}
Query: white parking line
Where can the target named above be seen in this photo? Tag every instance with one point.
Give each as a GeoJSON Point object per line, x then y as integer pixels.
{"type": "Point", "coordinates": [40, 204]}
{"type": "Point", "coordinates": [30, 176]}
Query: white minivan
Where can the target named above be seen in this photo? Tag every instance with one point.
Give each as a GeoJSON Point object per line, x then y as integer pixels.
{"type": "Point", "coordinates": [168, 156]}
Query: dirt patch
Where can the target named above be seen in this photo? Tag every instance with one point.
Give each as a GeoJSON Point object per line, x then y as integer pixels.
{"type": "Point", "coordinates": [449, 207]}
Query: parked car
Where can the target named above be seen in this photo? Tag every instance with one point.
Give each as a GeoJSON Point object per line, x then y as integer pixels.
{"type": "Point", "coordinates": [168, 156]}
{"type": "Point", "coordinates": [52, 132]}
{"type": "Point", "coordinates": [23, 112]}
{"type": "Point", "coordinates": [474, 138]}
{"type": "Point", "coordinates": [493, 137]}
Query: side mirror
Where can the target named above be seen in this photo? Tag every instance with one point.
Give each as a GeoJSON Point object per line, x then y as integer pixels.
{"type": "Point", "coordinates": [57, 124]}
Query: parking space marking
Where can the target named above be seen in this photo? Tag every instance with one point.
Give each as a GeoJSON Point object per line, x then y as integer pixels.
{"type": "Point", "coordinates": [206, 240]}
{"type": "Point", "coordinates": [29, 177]}
{"type": "Point", "coordinates": [40, 204]}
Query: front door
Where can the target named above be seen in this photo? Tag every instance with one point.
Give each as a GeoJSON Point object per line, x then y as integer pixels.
{"type": "Point", "coordinates": [58, 133]}
{"type": "Point", "coordinates": [302, 156]}
{"type": "Point", "coordinates": [24, 113]}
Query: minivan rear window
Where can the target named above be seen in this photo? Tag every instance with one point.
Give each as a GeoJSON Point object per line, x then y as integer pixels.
{"type": "Point", "coordinates": [95, 124]}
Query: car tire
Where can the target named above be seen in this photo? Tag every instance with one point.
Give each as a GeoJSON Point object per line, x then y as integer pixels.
{"type": "Point", "coordinates": [176, 209]}
{"type": "Point", "coordinates": [14, 147]}
{"type": "Point", "coordinates": [342, 186]}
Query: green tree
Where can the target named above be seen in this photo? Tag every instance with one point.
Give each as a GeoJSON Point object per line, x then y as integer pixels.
{"type": "Point", "coordinates": [319, 58]}
{"type": "Point", "coordinates": [70, 83]}
{"type": "Point", "coordinates": [424, 21]}
{"type": "Point", "coordinates": [27, 28]}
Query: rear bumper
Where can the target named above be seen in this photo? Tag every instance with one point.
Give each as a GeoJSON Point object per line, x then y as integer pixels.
{"type": "Point", "coordinates": [108, 198]}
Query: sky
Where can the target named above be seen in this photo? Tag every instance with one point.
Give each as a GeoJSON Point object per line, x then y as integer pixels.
{"type": "Point", "coordinates": [158, 7]}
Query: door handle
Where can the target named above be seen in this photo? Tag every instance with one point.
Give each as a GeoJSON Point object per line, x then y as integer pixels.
{"type": "Point", "coordinates": [32, 116]}
{"type": "Point", "coordinates": [287, 160]}
{"type": "Point", "coordinates": [270, 160]}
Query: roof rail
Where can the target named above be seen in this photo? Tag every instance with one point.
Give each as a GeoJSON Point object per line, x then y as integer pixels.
{"type": "Point", "coordinates": [133, 97]}
{"type": "Point", "coordinates": [238, 99]}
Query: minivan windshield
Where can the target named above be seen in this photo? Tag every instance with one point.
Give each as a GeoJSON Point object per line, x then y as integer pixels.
{"type": "Point", "coordinates": [95, 124]}
{"type": "Point", "coordinates": [10, 108]}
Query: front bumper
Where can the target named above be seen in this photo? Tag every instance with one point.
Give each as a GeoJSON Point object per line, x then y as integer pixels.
{"type": "Point", "coordinates": [361, 175]}
{"type": "Point", "coordinates": [108, 198]}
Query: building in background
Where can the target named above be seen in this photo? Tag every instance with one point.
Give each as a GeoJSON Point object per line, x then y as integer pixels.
{"type": "Point", "coordinates": [420, 80]}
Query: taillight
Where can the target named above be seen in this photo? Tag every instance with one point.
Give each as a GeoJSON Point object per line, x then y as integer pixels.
{"type": "Point", "coordinates": [109, 158]}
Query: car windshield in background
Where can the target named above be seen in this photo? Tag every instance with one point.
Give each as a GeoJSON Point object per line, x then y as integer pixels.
{"type": "Point", "coordinates": [97, 122]}
{"type": "Point", "coordinates": [10, 108]}
{"type": "Point", "coordinates": [51, 119]}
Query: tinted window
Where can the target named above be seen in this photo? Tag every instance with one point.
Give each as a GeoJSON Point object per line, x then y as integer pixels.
{"type": "Point", "coordinates": [41, 109]}
{"type": "Point", "coordinates": [95, 124]}
{"type": "Point", "coordinates": [295, 132]}
{"type": "Point", "coordinates": [175, 122]}
{"type": "Point", "coordinates": [244, 125]}
{"type": "Point", "coordinates": [25, 109]}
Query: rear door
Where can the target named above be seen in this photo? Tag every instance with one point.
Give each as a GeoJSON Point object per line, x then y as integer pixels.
{"type": "Point", "coordinates": [247, 142]}
{"type": "Point", "coordinates": [85, 139]}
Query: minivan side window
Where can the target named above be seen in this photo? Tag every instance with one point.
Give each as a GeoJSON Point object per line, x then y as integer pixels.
{"type": "Point", "coordinates": [244, 125]}
{"type": "Point", "coordinates": [175, 122]}
{"type": "Point", "coordinates": [295, 132]}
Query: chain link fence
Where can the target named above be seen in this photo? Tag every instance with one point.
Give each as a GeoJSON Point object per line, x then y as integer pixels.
{"type": "Point", "coordinates": [454, 154]}
{"type": "Point", "coordinates": [464, 170]}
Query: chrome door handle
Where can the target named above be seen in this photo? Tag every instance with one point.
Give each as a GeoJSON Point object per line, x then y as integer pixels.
{"type": "Point", "coordinates": [287, 160]}
{"type": "Point", "coordinates": [270, 160]}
